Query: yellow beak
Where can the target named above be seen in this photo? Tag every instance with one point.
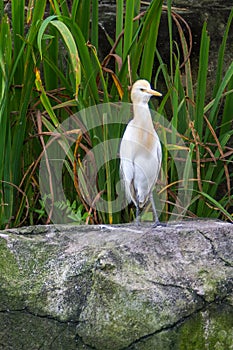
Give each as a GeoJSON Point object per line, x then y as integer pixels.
{"type": "Point", "coordinates": [154, 93]}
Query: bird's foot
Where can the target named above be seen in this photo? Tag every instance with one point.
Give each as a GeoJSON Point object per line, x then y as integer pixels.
{"type": "Point", "coordinates": [158, 223]}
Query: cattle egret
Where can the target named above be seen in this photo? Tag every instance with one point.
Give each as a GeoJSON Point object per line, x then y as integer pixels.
{"type": "Point", "coordinates": [140, 151]}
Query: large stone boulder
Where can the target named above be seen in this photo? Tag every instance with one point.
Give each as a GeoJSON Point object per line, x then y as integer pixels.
{"type": "Point", "coordinates": [117, 287]}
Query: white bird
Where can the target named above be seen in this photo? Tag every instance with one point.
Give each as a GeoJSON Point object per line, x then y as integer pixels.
{"type": "Point", "coordinates": [140, 151]}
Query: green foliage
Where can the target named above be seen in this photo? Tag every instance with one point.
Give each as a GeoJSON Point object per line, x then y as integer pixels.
{"type": "Point", "coordinates": [73, 211]}
{"type": "Point", "coordinates": [49, 63]}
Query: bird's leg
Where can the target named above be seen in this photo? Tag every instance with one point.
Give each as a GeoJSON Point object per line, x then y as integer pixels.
{"type": "Point", "coordinates": [137, 212]}
{"type": "Point", "coordinates": [156, 219]}
{"type": "Point", "coordinates": [155, 216]}
{"type": "Point", "coordinates": [137, 215]}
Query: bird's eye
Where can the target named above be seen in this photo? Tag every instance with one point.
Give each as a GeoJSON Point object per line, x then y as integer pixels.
{"type": "Point", "coordinates": [141, 89]}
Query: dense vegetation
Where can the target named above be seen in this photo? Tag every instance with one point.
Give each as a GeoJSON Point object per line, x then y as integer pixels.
{"type": "Point", "coordinates": [50, 69]}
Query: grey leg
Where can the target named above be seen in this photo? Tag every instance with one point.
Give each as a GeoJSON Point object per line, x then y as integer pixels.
{"type": "Point", "coordinates": [155, 216]}
{"type": "Point", "coordinates": [156, 219]}
{"type": "Point", "coordinates": [137, 212]}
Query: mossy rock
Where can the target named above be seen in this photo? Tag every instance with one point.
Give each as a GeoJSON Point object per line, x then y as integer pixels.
{"type": "Point", "coordinates": [117, 287]}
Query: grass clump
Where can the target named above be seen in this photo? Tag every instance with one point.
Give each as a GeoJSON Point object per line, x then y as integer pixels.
{"type": "Point", "coordinates": [50, 69]}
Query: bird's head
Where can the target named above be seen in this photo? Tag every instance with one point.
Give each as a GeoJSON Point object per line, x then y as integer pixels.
{"type": "Point", "coordinates": [141, 92]}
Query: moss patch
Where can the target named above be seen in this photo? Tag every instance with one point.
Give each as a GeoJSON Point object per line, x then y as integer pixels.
{"type": "Point", "coordinates": [211, 329]}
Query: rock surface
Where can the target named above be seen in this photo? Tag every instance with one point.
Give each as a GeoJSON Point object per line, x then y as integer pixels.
{"type": "Point", "coordinates": [117, 287]}
{"type": "Point", "coordinates": [203, 3]}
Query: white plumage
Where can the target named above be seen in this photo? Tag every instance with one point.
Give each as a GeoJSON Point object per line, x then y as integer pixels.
{"type": "Point", "coordinates": [140, 150]}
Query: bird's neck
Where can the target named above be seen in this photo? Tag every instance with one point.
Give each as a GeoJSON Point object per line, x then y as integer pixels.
{"type": "Point", "coordinates": [142, 114]}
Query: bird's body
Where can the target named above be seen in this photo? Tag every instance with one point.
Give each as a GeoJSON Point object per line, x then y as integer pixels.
{"type": "Point", "coordinates": [140, 150]}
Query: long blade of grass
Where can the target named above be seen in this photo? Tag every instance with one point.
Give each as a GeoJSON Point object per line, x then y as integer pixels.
{"type": "Point", "coordinates": [107, 169]}
{"type": "Point", "coordinates": [74, 10]}
{"type": "Point", "coordinates": [226, 121]}
{"type": "Point", "coordinates": [214, 110]}
{"type": "Point", "coordinates": [186, 117]}
{"type": "Point", "coordinates": [119, 23]}
{"type": "Point", "coordinates": [1, 9]}
{"type": "Point", "coordinates": [70, 44]}
{"type": "Point", "coordinates": [41, 32]}
{"type": "Point", "coordinates": [95, 24]}
{"type": "Point", "coordinates": [83, 17]}
{"type": "Point", "coordinates": [149, 22]}
{"type": "Point", "coordinates": [73, 52]}
{"type": "Point", "coordinates": [6, 193]}
{"type": "Point", "coordinates": [89, 72]}
{"type": "Point", "coordinates": [169, 18]}
{"type": "Point", "coordinates": [149, 50]}
{"type": "Point", "coordinates": [218, 206]}
{"type": "Point", "coordinates": [201, 80]}
{"type": "Point", "coordinates": [18, 27]}
{"type": "Point", "coordinates": [221, 54]}
{"type": "Point", "coordinates": [128, 34]}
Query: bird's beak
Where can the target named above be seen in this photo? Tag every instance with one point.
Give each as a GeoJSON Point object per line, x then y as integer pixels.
{"type": "Point", "coordinates": [154, 93]}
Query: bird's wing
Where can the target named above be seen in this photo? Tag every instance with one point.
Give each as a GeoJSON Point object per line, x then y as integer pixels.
{"type": "Point", "coordinates": [146, 171]}
{"type": "Point", "coordinates": [127, 167]}
{"type": "Point", "coordinates": [141, 155]}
